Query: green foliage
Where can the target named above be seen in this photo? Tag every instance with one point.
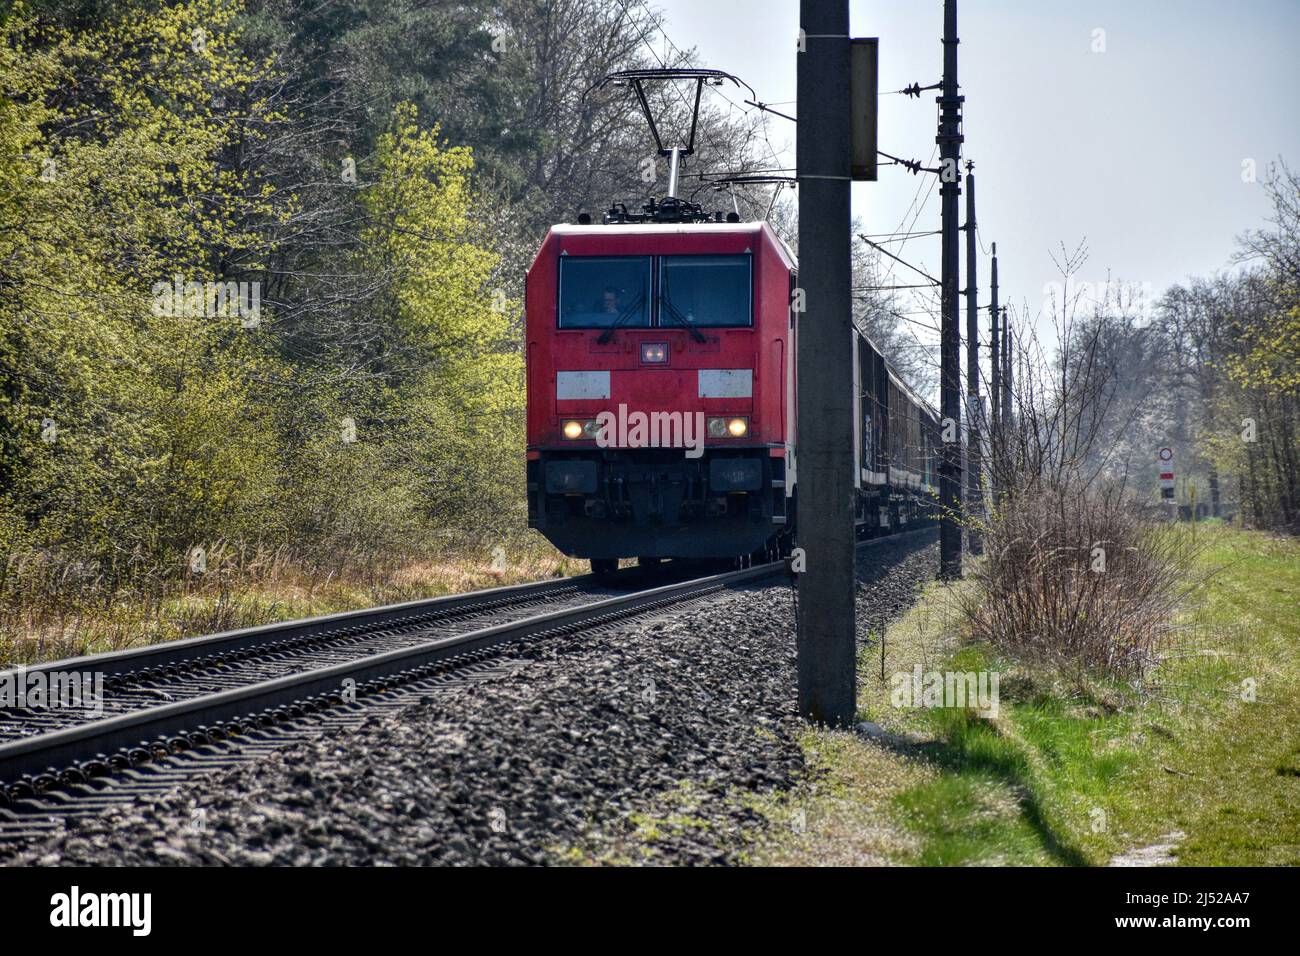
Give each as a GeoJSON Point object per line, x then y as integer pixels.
{"type": "Point", "coordinates": [123, 429]}
{"type": "Point", "coordinates": [465, 395]}
{"type": "Point", "coordinates": [145, 146]}
{"type": "Point", "coordinates": [1270, 356]}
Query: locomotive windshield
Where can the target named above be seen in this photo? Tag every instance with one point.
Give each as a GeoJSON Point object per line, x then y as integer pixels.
{"type": "Point", "coordinates": [705, 290]}
{"type": "Point", "coordinates": [601, 292]}
{"type": "Point", "coordinates": [609, 292]}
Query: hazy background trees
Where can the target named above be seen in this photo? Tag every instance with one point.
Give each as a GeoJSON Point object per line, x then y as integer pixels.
{"type": "Point", "coordinates": [1210, 369]}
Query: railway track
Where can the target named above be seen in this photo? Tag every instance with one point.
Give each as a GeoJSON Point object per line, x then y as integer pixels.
{"type": "Point", "coordinates": [210, 702]}
{"type": "Point", "coordinates": [144, 677]}
{"type": "Point", "coordinates": [187, 707]}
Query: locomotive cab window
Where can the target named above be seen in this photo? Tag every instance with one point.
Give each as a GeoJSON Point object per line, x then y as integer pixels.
{"type": "Point", "coordinates": [705, 291]}
{"type": "Point", "coordinates": [601, 292]}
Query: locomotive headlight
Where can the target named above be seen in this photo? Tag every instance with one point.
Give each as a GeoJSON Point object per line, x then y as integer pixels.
{"type": "Point", "coordinates": [654, 353]}
{"type": "Point", "coordinates": [584, 429]}
{"type": "Point", "coordinates": [728, 427]}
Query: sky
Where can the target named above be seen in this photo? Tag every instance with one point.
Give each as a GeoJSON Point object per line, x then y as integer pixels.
{"type": "Point", "coordinates": [1132, 139]}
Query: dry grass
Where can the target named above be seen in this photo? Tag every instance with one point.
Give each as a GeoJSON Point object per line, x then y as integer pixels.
{"type": "Point", "coordinates": [844, 815]}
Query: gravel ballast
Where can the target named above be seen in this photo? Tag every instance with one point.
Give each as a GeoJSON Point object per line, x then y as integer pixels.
{"type": "Point", "coordinates": [639, 745]}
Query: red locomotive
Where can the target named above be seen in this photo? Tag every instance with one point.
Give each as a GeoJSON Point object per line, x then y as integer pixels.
{"type": "Point", "coordinates": [662, 395]}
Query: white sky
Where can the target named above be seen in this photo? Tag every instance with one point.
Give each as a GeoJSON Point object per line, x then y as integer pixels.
{"type": "Point", "coordinates": [1138, 148]}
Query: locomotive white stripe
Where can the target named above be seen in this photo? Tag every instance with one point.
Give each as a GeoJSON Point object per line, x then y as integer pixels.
{"type": "Point", "coordinates": [582, 384]}
{"type": "Point", "coordinates": [726, 383]}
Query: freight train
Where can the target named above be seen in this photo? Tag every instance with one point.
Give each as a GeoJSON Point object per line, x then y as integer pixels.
{"type": "Point", "coordinates": [663, 395]}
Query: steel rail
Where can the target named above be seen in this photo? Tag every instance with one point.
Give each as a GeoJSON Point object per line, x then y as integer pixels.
{"type": "Point", "coordinates": [136, 659]}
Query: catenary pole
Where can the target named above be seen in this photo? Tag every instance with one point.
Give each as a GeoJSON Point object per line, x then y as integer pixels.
{"type": "Point", "coordinates": [827, 638]}
{"type": "Point", "coordinates": [949, 141]}
{"type": "Point", "coordinates": [1007, 383]}
{"type": "Point", "coordinates": [995, 378]}
{"type": "Point", "coordinates": [974, 449]}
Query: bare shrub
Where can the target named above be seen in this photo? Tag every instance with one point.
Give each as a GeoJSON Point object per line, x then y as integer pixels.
{"type": "Point", "coordinates": [1082, 582]}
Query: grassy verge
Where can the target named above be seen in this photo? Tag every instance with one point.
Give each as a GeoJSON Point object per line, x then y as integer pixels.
{"type": "Point", "coordinates": [1201, 767]}
{"type": "Point", "coordinates": [244, 594]}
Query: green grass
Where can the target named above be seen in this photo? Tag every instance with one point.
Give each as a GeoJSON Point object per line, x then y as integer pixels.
{"type": "Point", "coordinates": [1224, 763]}
{"type": "Point", "coordinates": [1064, 777]}
{"type": "Point", "coordinates": [1019, 790]}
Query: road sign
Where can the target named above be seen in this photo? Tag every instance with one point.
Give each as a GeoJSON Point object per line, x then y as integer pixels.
{"type": "Point", "coordinates": [1166, 461]}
